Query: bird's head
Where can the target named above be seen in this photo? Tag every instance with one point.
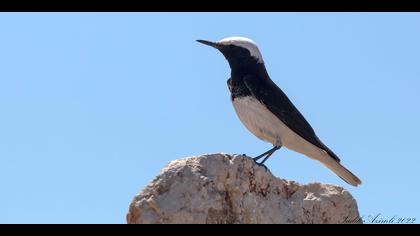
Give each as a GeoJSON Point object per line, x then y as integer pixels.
{"type": "Point", "coordinates": [239, 51]}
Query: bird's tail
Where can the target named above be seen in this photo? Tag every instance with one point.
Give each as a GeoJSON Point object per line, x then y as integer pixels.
{"type": "Point", "coordinates": [340, 170]}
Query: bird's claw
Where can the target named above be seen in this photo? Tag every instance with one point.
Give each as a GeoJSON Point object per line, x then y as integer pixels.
{"type": "Point", "coordinates": [262, 165]}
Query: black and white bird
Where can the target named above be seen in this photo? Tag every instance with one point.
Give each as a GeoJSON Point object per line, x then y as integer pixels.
{"type": "Point", "coordinates": [265, 109]}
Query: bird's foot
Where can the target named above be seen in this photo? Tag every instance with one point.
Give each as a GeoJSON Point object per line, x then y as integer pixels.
{"type": "Point", "coordinates": [262, 165]}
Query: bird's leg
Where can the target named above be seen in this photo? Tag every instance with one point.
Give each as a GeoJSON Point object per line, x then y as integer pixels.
{"type": "Point", "coordinates": [269, 152]}
{"type": "Point", "coordinates": [262, 155]}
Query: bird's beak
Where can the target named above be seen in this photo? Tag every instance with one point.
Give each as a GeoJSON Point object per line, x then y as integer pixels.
{"type": "Point", "coordinates": [212, 44]}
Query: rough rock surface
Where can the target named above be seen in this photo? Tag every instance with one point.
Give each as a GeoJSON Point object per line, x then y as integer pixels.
{"type": "Point", "coordinates": [220, 188]}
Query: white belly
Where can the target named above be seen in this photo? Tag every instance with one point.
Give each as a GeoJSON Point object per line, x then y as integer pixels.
{"type": "Point", "coordinates": [266, 126]}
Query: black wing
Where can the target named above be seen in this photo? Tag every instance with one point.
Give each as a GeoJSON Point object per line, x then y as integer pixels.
{"type": "Point", "coordinates": [277, 102]}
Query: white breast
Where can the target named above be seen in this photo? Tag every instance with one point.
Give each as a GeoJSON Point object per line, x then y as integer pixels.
{"type": "Point", "coordinates": [265, 125]}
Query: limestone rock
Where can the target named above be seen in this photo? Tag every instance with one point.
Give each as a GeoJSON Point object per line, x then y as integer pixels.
{"type": "Point", "coordinates": [221, 188]}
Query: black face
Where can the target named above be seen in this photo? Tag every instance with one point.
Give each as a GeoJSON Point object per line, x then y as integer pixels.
{"type": "Point", "coordinates": [238, 57]}
{"type": "Point", "coordinates": [240, 61]}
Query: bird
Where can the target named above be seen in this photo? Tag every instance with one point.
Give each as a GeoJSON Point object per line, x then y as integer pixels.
{"type": "Point", "coordinates": [267, 112]}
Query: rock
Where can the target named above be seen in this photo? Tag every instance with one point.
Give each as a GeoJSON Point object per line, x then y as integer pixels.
{"type": "Point", "coordinates": [220, 188]}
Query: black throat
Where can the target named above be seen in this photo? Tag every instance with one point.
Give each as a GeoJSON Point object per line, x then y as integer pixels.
{"type": "Point", "coordinates": [242, 64]}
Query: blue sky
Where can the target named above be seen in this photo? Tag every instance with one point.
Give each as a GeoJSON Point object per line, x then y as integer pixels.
{"type": "Point", "coordinates": [93, 105]}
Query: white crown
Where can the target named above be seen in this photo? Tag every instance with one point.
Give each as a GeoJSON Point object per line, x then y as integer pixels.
{"type": "Point", "coordinates": [244, 43]}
